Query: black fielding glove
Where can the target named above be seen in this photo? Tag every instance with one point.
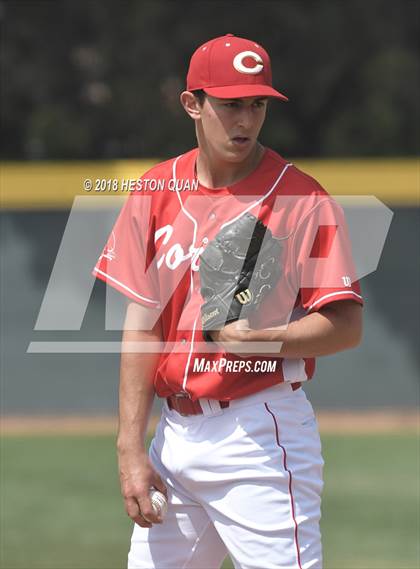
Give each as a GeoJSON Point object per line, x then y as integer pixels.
{"type": "Point", "coordinates": [241, 251]}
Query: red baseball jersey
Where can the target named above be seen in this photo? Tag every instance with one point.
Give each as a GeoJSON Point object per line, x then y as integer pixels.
{"type": "Point", "coordinates": [152, 257]}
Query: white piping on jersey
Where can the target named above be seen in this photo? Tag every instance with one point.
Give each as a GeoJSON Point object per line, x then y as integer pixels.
{"type": "Point", "coordinates": [270, 191]}
{"type": "Point", "coordinates": [319, 202]}
{"type": "Point", "coordinates": [133, 292]}
{"type": "Point", "coordinates": [187, 214]}
{"type": "Point", "coordinates": [184, 382]}
{"type": "Point", "coordinates": [334, 294]}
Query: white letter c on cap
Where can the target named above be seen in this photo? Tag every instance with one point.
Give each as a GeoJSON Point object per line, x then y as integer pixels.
{"type": "Point", "coordinates": [239, 66]}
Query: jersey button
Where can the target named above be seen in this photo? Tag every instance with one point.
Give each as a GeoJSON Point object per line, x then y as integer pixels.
{"type": "Point", "coordinates": [212, 216]}
{"type": "Point", "coordinates": [183, 341]}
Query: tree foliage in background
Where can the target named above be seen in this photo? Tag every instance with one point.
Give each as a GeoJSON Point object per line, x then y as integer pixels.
{"type": "Point", "coordinates": [101, 79]}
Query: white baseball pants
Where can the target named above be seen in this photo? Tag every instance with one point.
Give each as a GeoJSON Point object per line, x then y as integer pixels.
{"type": "Point", "coordinates": [245, 480]}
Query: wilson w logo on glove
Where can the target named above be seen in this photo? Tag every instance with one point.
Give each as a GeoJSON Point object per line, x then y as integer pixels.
{"type": "Point", "coordinates": [244, 297]}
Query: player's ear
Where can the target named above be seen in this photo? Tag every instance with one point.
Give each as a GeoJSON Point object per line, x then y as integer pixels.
{"type": "Point", "coordinates": [191, 104]}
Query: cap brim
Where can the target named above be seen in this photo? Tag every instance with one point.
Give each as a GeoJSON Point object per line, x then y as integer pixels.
{"type": "Point", "coordinates": [239, 91]}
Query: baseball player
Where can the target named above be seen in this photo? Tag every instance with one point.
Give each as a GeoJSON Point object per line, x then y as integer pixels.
{"type": "Point", "coordinates": [238, 274]}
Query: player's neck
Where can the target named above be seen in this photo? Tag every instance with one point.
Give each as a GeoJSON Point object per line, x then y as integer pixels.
{"type": "Point", "coordinates": [212, 172]}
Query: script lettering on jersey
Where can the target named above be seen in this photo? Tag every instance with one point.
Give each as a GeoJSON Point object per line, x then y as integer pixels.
{"type": "Point", "coordinates": [176, 255]}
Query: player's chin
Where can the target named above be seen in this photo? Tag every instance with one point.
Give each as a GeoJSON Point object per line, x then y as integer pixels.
{"type": "Point", "coordinates": [236, 152]}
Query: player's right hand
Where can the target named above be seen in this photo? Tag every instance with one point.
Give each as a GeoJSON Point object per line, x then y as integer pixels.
{"type": "Point", "coordinates": [137, 476]}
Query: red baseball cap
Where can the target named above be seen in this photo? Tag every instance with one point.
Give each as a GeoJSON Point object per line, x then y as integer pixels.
{"type": "Point", "coordinates": [229, 67]}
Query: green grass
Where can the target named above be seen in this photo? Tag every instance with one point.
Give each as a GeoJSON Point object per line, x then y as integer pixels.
{"type": "Point", "coordinates": [371, 506]}
{"type": "Point", "coordinates": [61, 507]}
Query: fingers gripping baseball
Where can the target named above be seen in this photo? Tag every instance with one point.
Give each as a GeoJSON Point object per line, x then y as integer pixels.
{"type": "Point", "coordinates": [137, 483]}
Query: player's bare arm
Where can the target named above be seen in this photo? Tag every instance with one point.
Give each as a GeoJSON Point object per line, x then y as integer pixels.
{"type": "Point", "coordinates": [136, 396]}
{"type": "Point", "coordinates": [334, 328]}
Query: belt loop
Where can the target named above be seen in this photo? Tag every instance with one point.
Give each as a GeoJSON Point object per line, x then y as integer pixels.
{"type": "Point", "coordinates": [210, 407]}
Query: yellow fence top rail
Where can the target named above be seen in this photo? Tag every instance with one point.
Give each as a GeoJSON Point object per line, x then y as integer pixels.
{"type": "Point", "coordinates": [53, 185]}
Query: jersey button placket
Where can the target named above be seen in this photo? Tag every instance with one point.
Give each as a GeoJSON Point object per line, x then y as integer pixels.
{"type": "Point", "coordinates": [197, 287]}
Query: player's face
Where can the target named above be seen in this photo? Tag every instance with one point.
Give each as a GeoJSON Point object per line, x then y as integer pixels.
{"type": "Point", "coordinates": [230, 127]}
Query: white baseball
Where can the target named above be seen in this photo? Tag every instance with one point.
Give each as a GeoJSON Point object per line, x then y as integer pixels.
{"type": "Point", "coordinates": [159, 503]}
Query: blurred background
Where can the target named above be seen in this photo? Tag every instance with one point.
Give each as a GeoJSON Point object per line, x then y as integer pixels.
{"type": "Point", "coordinates": [90, 90]}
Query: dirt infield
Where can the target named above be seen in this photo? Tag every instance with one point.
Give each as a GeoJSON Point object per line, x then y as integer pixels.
{"type": "Point", "coordinates": [330, 422]}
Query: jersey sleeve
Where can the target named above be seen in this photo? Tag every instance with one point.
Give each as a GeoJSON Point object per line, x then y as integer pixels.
{"type": "Point", "coordinates": [127, 262]}
{"type": "Point", "coordinates": [325, 270]}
